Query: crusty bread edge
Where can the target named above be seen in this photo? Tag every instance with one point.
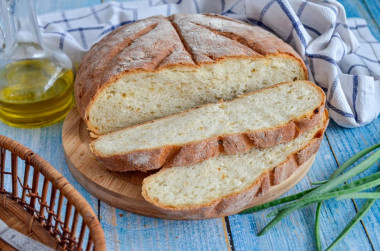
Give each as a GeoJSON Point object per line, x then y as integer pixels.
{"type": "Point", "coordinates": [83, 110]}
{"type": "Point", "coordinates": [197, 151]}
{"type": "Point", "coordinates": [238, 201]}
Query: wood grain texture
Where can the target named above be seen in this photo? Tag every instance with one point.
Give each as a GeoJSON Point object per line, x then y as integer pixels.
{"type": "Point", "coordinates": [346, 143]}
{"type": "Point", "coordinates": [363, 9]}
{"type": "Point", "coordinates": [373, 7]}
{"type": "Point", "coordinates": [123, 190]}
{"type": "Point", "coordinates": [127, 231]}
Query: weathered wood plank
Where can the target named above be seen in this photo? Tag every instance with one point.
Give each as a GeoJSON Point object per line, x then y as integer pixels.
{"type": "Point", "coordinates": [347, 142]}
{"type": "Point", "coordinates": [373, 7]}
{"type": "Point", "coordinates": [357, 8]}
{"type": "Point", "coordinates": [297, 230]}
{"type": "Point", "coordinates": [127, 231]}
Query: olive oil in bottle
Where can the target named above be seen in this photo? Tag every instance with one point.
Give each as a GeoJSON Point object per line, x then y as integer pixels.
{"type": "Point", "coordinates": [35, 92]}
{"type": "Point", "coordinates": [36, 81]}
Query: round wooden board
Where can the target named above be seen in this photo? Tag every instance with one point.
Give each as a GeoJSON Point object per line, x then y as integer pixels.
{"type": "Point", "coordinates": [123, 190]}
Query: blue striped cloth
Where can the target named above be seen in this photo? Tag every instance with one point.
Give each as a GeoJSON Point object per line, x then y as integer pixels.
{"type": "Point", "coordinates": [341, 54]}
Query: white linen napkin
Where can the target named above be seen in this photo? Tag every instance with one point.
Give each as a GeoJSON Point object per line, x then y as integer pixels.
{"type": "Point", "coordinates": [341, 54]}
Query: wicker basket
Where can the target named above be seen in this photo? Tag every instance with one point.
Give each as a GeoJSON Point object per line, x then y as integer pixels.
{"type": "Point", "coordinates": [38, 201]}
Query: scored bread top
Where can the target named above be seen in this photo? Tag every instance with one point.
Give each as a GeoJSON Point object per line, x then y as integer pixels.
{"type": "Point", "coordinates": [161, 42]}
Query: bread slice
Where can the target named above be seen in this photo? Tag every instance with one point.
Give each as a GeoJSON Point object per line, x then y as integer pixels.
{"type": "Point", "coordinates": [164, 65]}
{"type": "Point", "coordinates": [227, 184]}
{"type": "Point", "coordinates": [260, 119]}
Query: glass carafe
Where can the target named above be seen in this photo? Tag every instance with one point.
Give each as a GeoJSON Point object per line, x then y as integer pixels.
{"type": "Point", "coordinates": [36, 82]}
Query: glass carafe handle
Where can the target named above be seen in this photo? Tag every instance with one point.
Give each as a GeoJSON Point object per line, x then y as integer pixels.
{"type": "Point", "coordinates": [6, 31]}
{"type": "Point", "coordinates": [3, 16]}
{"type": "Point", "coordinates": [20, 28]}
{"type": "Point", "coordinates": [2, 39]}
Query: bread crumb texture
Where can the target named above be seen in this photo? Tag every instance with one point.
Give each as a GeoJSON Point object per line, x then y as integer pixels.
{"type": "Point", "coordinates": [261, 110]}
{"type": "Point", "coordinates": [217, 178]}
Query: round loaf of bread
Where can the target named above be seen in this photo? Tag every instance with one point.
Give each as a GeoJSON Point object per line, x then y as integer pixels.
{"type": "Point", "coordinates": [163, 65]}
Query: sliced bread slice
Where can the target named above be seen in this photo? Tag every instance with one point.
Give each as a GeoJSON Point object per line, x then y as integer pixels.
{"type": "Point", "coordinates": [259, 119]}
{"type": "Point", "coordinates": [228, 183]}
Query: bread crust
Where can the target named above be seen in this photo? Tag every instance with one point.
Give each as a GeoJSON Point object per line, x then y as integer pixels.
{"type": "Point", "coordinates": [237, 201]}
{"type": "Point", "coordinates": [128, 50]}
{"type": "Point", "coordinates": [197, 151]}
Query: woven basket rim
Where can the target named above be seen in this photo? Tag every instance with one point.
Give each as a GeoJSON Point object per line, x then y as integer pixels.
{"type": "Point", "coordinates": [63, 185]}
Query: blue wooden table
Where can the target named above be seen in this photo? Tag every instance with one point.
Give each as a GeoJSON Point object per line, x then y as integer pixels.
{"type": "Point", "coordinates": [126, 231]}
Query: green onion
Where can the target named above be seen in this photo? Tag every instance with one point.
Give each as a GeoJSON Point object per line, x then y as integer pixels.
{"type": "Point", "coordinates": [276, 202]}
{"type": "Point", "coordinates": [367, 205]}
{"type": "Point", "coordinates": [325, 188]}
{"type": "Point", "coordinates": [329, 189]}
{"type": "Point", "coordinates": [359, 196]}
{"type": "Point", "coordinates": [319, 182]}
{"type": "Point", "coordinates": [367, 163]}
{"type": "Point", "coordinates": [348, 193]}
{"type": "Point", "coordinates": [337, 172]}
{"type": "Point", "coordinates": [301, 194]}
{"type": "Point", "coordinates": [316, 229]}
{"type": "Point", "coordinates": [278, 218]}
{"type": "Point", "coordinates": [353, 159]}
{"type": "Point", "coordinates": [348, 189]}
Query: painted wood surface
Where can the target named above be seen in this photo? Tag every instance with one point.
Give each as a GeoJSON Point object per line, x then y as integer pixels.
{"type": "Point", "coordinates": [367, 9]}
{"type": "Point", "coordinates": [347, 142]}
{"type": "Point", "coordinates": [126, 231]}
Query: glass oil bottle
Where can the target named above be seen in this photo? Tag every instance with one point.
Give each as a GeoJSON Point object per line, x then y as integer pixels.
{"type": "Point", "coordinates": [36, 82]}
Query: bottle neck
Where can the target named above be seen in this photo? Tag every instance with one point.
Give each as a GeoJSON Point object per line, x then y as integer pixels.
{"type": "Point", "coordinates": [22, 35]}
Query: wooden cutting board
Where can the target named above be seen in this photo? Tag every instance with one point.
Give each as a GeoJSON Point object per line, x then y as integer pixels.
{"type": "Point", "coordinates": [123, 190]}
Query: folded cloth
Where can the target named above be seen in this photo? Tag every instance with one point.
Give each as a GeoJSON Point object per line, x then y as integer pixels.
{"type": "Point", "coordinates": [341, 54]}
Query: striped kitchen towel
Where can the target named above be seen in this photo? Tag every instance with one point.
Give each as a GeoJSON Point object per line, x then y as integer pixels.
{"type": "Point", "coordinates": [341, 54]}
